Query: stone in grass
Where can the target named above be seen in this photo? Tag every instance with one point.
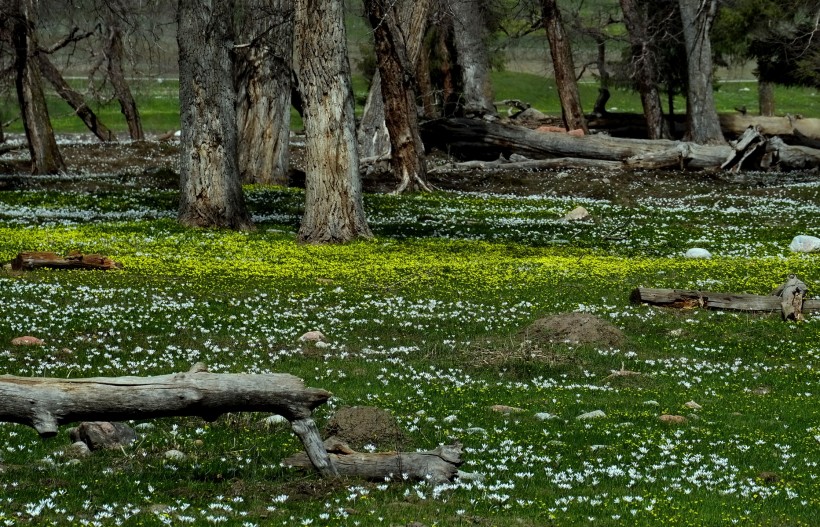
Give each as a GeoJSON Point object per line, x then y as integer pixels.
{"type": "Point", "coordinates": [672, 419]}
{"type": "Point", "coordinates": [174, 455]}
{"type": "Point", "coordinates": [504, 409]}
{"type": "Point", "coordinates": [545, 416]}
{"type": "Point", "coordinates": [77, 449]}
{"type": "Point", "coordinates": [595, 414]}
{"type": "Point", "coordinates": [804, 244]}
{"type": "Point", "coordinates": [697, 253]}
{"type": "Point", "coordinates": [313, 336]}
{"type": "Point", "coordinates": [274, 419]}
{"type": "Point", "coordinates": [577, 214]}
{"type": "Point", "coordinates": [103, 434]}
{"type": "Point", "coordinates": [27, 340]}
{"type": "Point", "coordinates": [692, 405]}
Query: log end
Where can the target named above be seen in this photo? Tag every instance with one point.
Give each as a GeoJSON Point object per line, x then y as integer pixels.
{"type": "Point", "coordinates": [45, 424]}
{"type": "Point", "coordinates": [635, 296]}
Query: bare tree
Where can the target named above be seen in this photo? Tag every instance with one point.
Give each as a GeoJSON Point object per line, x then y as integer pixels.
{"type": "Point", "coordinates": [262, 71]}
{"type": "Point", "coordinates": [397, 83]}
{"type": "Point", "coordinates": [470, 32]}
{"type": "Point", "coordinates": [702, 123]}
{"type": "Point", "coordinates": [114, 12]}
{"type": "Point", "coordinates": [211, 194]}
{"type": "Point", "coordinates": [644, 66]}
{"type": "Point", "coordinates": [334, 211]}
{"type": "Point", "coordinates": [563, 66]}
{"type": "Point", "coordinates": [21, 15]}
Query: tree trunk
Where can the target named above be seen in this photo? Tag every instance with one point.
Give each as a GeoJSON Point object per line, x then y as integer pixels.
{"type": "Point", "coordinates": [46, 403]}
{"type": "Point", "coordinates": [702, 125]}
{"type": "Point", "coordinates": [645, 67]}
{"type": "Point", "coordinates": [334, 211]}
{"type": "Point", "coordinates": [74, 99]}
{"type": "Point", "coordinates": [263, 83]}
{"type": "Point", "coordinates": [45, 156]}
{"type": "Point", "coordinates": [564, 67]}
{"type": "Point", "coordinates": [211, 194]}
{"type": "Point", "coordinates": [765, 96]}
{"type": "Point", "coordinates": [398, 93]}
{"type": "Point", "coordinates": [425, 81]}
{"type": "Point", "coordinates": [472, 56]}
{"type": "Point", "coordinates": [114, 53]}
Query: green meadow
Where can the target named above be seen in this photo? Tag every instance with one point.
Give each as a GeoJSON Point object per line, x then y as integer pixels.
{"type": "Point", "coordinates": [428, 320]}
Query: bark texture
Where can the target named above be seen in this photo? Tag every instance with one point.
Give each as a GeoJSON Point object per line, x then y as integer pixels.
{"type": "Point", "coordinates": [564, 67]}
{"type": "Point", "coordinates": [45, 156]}
{"type": "Point", "coordinates": [765, 97]}
{"type": "Point", "coordinates": [334, 211]}
{"type": "Point", "coordinates": [114, 54]}
{"type": "Point", "coordinates": [470, 37]}
{"type": "Point", "coordinates": [644, 64]}
{"type": "Point", "coordinates": [74, 99]}
{"type": "Point", "coordinates": [211, 194]}
{"type": "Point", "coordinates": [398, 89]}
{"type": "Point", "coordinates": [46, 403]}
{"type": "Point", "coordinates": [702, 124]}
{"type": "Point", "coordinates": [263, 71]}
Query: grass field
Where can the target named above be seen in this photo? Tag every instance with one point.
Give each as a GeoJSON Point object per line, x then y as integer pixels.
{"type": "Point", "coordinates": [425, 321]}
{"type": "Point", "coordinates": [159, 105]}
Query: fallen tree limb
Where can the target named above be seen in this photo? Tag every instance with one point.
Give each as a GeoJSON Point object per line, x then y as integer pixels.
{"type": "Point", "coordinates": [439, 465]}
{"type": "Point", "coordinates": [46, 403]}
{"type": "Point", "coordinates": [529, 164]}
{"type": "Point", "coordinates": [688, 299]}
{"type": "Point", "coordinates": [28, 261]}
{"type": "Point", "coordinates": [481, 140]}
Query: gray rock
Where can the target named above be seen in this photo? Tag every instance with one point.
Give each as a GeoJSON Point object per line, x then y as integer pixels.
{"type": "Point", "coordinates": [697, 252]}
{"type": "Point", "coordinates": [595, 414]}
{"type": "Point", "coordinates": [476, 430]}
{"type": "Point", "coordinates": [144, 426]}
{"type": "Point", "coordinates": [804, 244]}
{"type": "Point", "coordinates": [103, 434]}
{"type": "Point", "coordinates": [577, 214]}
{"type": "Point", "coordinates": [274, 419]}
{"type": "Point", "coordinates": [174, 455]}
{"type": "Point", "coordinates": [545, 416]}
{"type": "Point", "coordinates": [78, 449]}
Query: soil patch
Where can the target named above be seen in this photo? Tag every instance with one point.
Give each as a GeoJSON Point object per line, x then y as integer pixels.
{"type": "Point", "coordinates": [366, 425]}
{"type": "Point", "coordinates": [574, 328]}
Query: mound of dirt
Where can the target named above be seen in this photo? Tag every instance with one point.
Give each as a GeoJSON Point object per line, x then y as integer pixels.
{"type": "Point", "coordinates": [362, 425]}
{"type": "Point", "coordinates": [574, 328]}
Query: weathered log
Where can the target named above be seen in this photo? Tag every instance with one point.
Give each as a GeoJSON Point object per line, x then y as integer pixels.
{"type": "Point", "coordinates": [46, 403]}
{"type": "Point", "coordinates": [792, 294]}
{"type": "Point", "coordinates": [436, 466]}
{"type": "Point", "coordinates": [686, 298]}
{"type": "Point", "coordinates": [482, 140]}
{"type": "Point", "coordinates": [27, 261]}
{"type": "Point", "coordinates": [529, 164]}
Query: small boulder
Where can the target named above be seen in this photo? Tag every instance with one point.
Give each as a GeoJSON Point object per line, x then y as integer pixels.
{"type": "Point", "coordinates": [27, 340]}
{"type": "Point", "coordinates": [102, 434]}
{"type": "Point", "coordinates": [804, 244]}
{"type": "Point", "coordinates": [595, 414]}
{"type": "Point", "coordinates": [313, 336]}
{"type": "Point", "coordinates": [692, 405]}
{"type": "Point", "coordinates": [504, 409]}
{"type": "Point", "coordinates": [77, 449]}
{"type": "Point", "coordinates": [697, 253]}
{"type": "Point", "coordinates": [672, 419]}
{"type": "Point", "coordinates": [577, 214]}
{"type": "Point", "coordinates": [174, 455]}
{"type": "Point", "coordinates": [545, 416]}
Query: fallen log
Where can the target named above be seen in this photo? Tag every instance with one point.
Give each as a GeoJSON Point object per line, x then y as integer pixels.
{"type": "Point", "coordinates": [46, 403]}
{"type": "Point", "coordinates": [689, 299]}
{"type": "Point", "coordinates": [481, 140]}
{"type": "Point", "coordinates": [27, 261]}
{"type": "Point", "coordinates": [436, 466]}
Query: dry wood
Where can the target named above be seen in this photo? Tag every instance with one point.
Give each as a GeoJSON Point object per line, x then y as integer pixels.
{"type": "Point", "coordinates": [27, 261]}
{"type": "Point", "coordinates": [686, 298]}
{"type": "Point", "coordinates": [439, 465]}
{"type": "Point", "coordinates": [46, 403]}
{"type": "Point", "coordinates": [482, 140]}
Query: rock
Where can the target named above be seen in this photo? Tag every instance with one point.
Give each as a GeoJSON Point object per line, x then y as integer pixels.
{"type": "Point", "coordinates": [274, 419]}
{"type": "Point", "coordinates": [504, 409]}
{"type": "Point", "coordinates": [103, 434]}
{"type": "Point", "coordinates": [470, 476]}
{"type": "Point", "coordinates": [692, 405]}
{"type": "Point", "coordinates": [577, 214]}
{"type": "Point", "coordinates": [804, 244]}
{"type": "Point", "coordinates": [27, 340]}
{"type": "Point", "coordinates": [144, 426]}
{"type": "Point", "coordinates": [174, 455]}
{"type": "Point", "coordinates": [595, 414]}
{"type": "Point", "coordinates": [545, 416]}
{"type": "Point", "coordinates": [77, 449]}
{"type": "Point", "coordinates": [651, 402]}
{"type": "Point", "coordinates": [313, 336]}
{"type": "Point", "coordinates": [697, 252]}
{"type": "Point", "coordinates": [476, 430]}
{"type": "Point", "coordinates": [672, 419]}
{"type": "Point", "coordinates": [762, 390]}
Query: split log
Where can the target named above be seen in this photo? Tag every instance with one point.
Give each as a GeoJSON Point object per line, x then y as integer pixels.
{"type": "Point", "coordinates": [46, 403]}
{"type": "Point", "coordinates": [482, 140]}
{"type": "Point", "coordinates": [436, 466]}
{"type": "Point", "coordinates": [27, 261]}
{"type": "Point", "coordinates": [792, 295]}
{"type": "Point", "coordinates": [688, 299]}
